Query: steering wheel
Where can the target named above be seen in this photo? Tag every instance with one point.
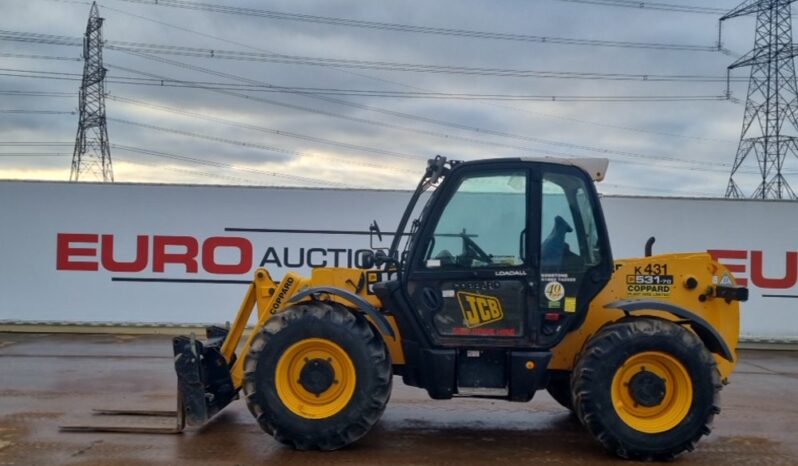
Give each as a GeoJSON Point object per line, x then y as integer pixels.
{"type": "Point", "coordinates": [472, 250]}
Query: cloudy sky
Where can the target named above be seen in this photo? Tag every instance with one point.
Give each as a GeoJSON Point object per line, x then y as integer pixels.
{"type": "Point", "coordinates": [228, 135]}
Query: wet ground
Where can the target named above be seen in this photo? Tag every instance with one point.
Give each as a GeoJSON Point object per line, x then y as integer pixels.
{"type": "Point", "coordinates": [49, 380]}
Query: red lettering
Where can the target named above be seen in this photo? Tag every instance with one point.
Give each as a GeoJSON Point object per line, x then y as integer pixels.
{"type": "Point", "coordinates": [65, 251]}
{"type": "Point", "coordinates": [790, 273]}
{"type": "Point", "coordinates": [111, 264]}
{"type": "Point", "coordinates": [735, 269]}
{"type": "Point", "coordinates": [160, 257]}
{"type": "Point", "coordinates": [244, 247]}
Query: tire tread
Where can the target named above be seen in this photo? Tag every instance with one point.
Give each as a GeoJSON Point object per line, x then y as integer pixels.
{"type": "Point", "coordinates": [361, 330]}
{"type": "Point", "coordinates": [609, 339]}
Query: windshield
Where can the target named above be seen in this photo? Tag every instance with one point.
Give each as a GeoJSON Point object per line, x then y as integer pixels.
{"type": "Point", "coordinates": [482, 223]}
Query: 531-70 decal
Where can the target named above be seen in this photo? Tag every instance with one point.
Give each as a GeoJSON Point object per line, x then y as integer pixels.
{"type": "Point", "coordinates": [649, 280]}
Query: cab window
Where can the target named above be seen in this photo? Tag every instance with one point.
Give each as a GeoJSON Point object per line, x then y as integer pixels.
{"type": "Point", "coordinates": [482, 224]}
{"type": "Point", "coordinates": [569, 236]}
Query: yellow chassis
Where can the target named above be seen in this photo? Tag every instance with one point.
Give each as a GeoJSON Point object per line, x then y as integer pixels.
{"type": "Point", "coordinates": [698, 269]}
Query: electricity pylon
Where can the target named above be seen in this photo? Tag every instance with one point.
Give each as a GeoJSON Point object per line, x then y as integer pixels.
{"type": "Point", "coordinates": [92, 155]}
{"type": "Point", "coordinates": [772, 99]}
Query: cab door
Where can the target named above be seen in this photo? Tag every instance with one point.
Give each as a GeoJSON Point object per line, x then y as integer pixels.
{"type": "Point", "coordinates": [575, 258]}
{"type": "Point", "coordinates": [472, 278]}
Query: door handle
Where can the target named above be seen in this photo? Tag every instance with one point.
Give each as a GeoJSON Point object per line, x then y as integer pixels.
{"type": "Point", "coordinates": [522, 245]}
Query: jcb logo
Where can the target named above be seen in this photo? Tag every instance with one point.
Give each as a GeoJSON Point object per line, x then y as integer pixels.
{"type": "Point", "coordinates": [479, 309]}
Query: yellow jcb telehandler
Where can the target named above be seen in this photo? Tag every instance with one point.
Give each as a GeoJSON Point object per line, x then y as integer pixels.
{"type": "Point", "coordinates": [503, 284]}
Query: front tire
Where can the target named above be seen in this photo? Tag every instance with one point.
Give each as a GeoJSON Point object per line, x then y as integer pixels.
{"type": "Point", "coordinates": [317, 376]}
{"type": "Point", "coordinates": [646, 388]}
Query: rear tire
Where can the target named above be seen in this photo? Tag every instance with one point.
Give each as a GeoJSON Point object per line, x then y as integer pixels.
{"type": "Point", "coordinates": [646, 388]}
{"type": "Point", "coordinates": [317, 376]}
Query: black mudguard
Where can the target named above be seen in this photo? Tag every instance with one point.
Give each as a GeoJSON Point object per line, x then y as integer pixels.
{"type": "Point", "coordinates": [379, 320]}
{"type": "Point", "coordinates": [705, 331]}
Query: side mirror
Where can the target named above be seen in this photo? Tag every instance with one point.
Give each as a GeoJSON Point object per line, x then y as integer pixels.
{"type": "Point", "coordinates": [381, 258]}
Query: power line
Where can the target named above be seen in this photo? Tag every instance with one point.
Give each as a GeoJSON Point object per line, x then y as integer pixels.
{"type": "Point", "coordinates": [433, 121]}
{"type": "Point", "coordinates": [276, 132]}
{"type": "Point", "coordinates": [407, 28]}
{"type": "Point", "coordinates": [374, 150]}
{"type": "Point", "coordinates": [35, 144]}
{"type": "Point", "coordinates": [38, 93]}
{"type": "Point", "coordinates": [198, 52]}
{"type": "Point", "coordinates": [315, 139]}
{"type": "Point", "coordinates": [373, 78]}
{"type": "Point", "coordinates": [38, 112]}
{"type": "Point", "coordinates": [268, 130]}
{"type": "Point", "coordinates": [39, 57]}
{"type": "Point", "coordinates": [640, 5]}
{"type": "Point", "coordinates": [128, 80]}
{"type": "Point", "coordinates": [339, 115]}
{"type": "Point", "coordinates": [233, 141]}
{"type": "Point", "coordinates": [257, 128]}
{"type": "Point", "coordinates": [329, 90]}
{"type": "Point", "coordinates": [714, 97]}
{"type": "Point", "coordinates": [416, 130]}
{"type": "Point", "coordinates": [250, 46]}
{"type": "Point", "coordinates": [34, 154]}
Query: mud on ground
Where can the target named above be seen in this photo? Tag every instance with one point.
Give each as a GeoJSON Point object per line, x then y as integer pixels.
{"type": "Point", "coordinates": [50, 380]}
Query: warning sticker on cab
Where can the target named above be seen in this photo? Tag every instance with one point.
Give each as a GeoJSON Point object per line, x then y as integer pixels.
{"type": "Point", "coordinates": [570, 304]}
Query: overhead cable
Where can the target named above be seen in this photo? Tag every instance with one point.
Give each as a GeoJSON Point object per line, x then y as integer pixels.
{"type": "Point", "coordinates": [382, 79]}
{"type": "Point", "coordinates": [408, 28]}
{"type": "Point", "coordinates": [645, 5]}
{"type": "Point", "coordinates": [417, 118]}
{"type": "Point", "coordinates": [199, 52]}
{"type": "Point", "coordinates": [127, 80]}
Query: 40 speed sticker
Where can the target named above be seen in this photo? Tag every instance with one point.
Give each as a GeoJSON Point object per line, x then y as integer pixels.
{"type": "Point", "coordinates": [554, 291]}
{"type": "Point", "coordinates": [649, 285]}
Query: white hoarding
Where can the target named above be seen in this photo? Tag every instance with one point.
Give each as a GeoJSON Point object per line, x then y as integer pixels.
{"type": "Point", "coordinates": [176, 253]}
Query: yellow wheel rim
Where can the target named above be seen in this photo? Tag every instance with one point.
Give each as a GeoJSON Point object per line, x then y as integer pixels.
{"type": "Point", "coordinates": [675, 402]}
{"type": "Point", "coordinates": [330, 398]}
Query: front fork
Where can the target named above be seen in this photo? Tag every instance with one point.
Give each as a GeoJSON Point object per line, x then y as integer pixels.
{"type": "Point", "coordinates": [204, 385]}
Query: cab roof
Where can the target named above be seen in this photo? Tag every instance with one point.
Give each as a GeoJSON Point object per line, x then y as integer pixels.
{"type": "Point", "coordinates": [595, 167]}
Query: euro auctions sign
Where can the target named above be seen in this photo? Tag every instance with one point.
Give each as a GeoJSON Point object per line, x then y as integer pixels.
{"type": "Point", "coordinates": [176, 253]}
{"type": "Point", "coordinates": [744, 264]}
{"type": "Point", "coordinates": [93, 252]}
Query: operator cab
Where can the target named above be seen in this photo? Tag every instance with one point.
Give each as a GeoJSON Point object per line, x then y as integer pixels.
{"type": "Point", "coordinates": [506, 253]}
